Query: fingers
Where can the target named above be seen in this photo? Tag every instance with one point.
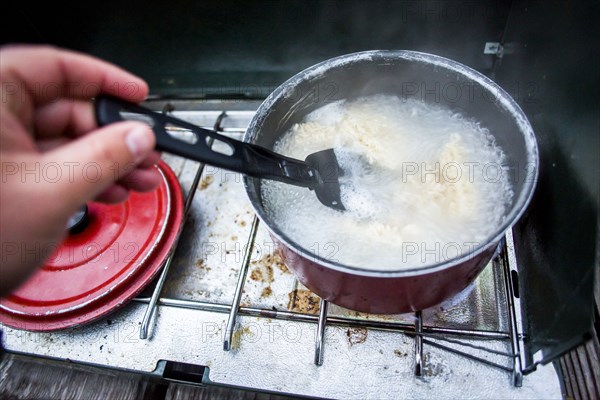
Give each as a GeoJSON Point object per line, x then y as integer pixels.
{"type": "Point", "coordinates": [141, 180]}
{"type": "Point", "coordinates": [65, 117]}
{"type": "Point", "coordinates": [57, 121]}
{"type": "Point", "coordinates": [13, 135]}
{"type": "Point", "coordinates": [113, 195]}
{"type": "Point", "coordinates": [150, 160]}
{"type": "Point", "coordinates": [101, 158]}
{"type": "Point", "coordinates": [44, 74]}
{"type": "Point", "coordinates": [54, 123]}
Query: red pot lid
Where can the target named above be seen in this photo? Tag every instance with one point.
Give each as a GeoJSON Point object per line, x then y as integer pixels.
{"type": "Point", "coordinates": [99, 269]}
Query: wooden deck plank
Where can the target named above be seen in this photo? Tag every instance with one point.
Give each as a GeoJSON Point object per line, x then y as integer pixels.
{"type": "Point", "coordinates": [593, 354]}
{"type": "Point", "coordinates": [566, 383]}
{"type": "Point", "coordinates": [570, 377]}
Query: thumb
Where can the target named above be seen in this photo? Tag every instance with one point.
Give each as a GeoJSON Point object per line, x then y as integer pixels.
{"type": "Point", "coordinates": [94, 162]}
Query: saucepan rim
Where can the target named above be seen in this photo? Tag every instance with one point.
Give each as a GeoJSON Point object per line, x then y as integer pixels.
{"type": "Point", "coordinates": [505, 100]}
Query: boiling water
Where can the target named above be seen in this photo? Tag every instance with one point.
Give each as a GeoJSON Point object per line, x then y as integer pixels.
{"type": "Point", "coordinates": [421, 184]}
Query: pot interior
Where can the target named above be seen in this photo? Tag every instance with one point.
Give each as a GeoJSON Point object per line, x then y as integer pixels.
{"type": "Point", "coordinates": [407, 75]}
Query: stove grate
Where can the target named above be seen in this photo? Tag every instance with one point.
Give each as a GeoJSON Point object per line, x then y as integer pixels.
{"type": "Point", "coordinates": [457, 341]}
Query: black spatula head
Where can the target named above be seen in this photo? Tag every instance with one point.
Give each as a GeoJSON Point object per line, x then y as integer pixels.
{"type": "Point", "coordinates": [328, 186]}
{"type": "Point", "coordinates": [320, 172]}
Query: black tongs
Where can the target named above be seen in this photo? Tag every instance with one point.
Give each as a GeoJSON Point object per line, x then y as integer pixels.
{"type": "Point", "coordinates": [319, 172]}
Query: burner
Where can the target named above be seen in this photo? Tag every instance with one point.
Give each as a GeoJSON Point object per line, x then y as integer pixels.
{"type": "Point", "coordinates": [103, 263]}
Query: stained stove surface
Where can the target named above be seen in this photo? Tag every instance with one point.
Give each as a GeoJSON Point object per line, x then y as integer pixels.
{"type": "Point", "coordinates": [225, 287]}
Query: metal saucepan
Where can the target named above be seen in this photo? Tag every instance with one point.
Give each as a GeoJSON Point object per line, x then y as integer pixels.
{"type": "Point", "coordinates": [405, 74]}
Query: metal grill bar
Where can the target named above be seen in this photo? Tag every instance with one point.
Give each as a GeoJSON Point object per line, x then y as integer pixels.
{"type": "Point", "coordinates": [517, 370]}
{"type": "Point", "coordinates": [319, 342]}
{"type": "Point", "coordinates": [240, 285]}
{"type": "Point", "coordinates": [467, 355]}
{"type": "Point", "coordinates": [163, 275]}
{"type": "Point", "coordinates": [233, 130]}
{"type": "Point", "coordinates": [473, 346]}
{"type": "Point", "coordinates": [153, 300]}
{"type": "Point", "coordinates": [331, 320]}
{"type": "Point", "coordinates": [418, 343]}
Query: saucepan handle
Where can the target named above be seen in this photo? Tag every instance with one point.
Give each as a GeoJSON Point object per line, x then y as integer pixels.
{"type": "Point", "coordinates": [207, 146]}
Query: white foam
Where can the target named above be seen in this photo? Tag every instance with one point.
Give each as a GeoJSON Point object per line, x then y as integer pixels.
{"type": "Point", "coordinates": [420, 183]}
{"type": "Point", "coordinates": [329, 114]}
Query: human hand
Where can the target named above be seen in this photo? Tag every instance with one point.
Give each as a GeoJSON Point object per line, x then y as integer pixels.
{"type": "Point", "coordinates": [53, 156]}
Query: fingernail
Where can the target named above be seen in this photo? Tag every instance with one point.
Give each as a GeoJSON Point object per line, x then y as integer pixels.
{"type": "Point", "coordinates": [140, 142]}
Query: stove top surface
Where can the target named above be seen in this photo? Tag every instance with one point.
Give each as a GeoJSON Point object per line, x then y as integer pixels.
{"type": "Point", "coordinates": [282, 337]}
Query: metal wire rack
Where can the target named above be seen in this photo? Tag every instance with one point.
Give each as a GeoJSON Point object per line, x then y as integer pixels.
{"type": "Point", "coordinates": [468, 343]}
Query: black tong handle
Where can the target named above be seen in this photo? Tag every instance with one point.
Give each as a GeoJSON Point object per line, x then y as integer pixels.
{"type": "Point", "coordinates": [242, 157]}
